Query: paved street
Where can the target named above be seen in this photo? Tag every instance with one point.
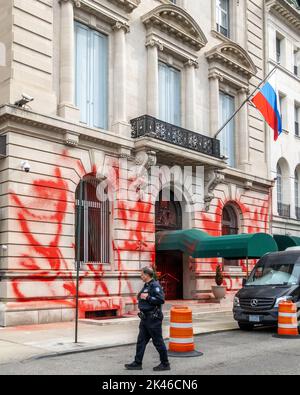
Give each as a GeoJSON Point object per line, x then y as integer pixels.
{"type": "Point", "coordinates": [23, 342]}
{"type": "Point", "coordinates": [232, 352]}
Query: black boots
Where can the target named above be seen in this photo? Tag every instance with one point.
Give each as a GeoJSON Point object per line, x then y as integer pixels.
{"type": "Point", "coordinates": [134, 366]}
{"type": "Point", "coordinates": [162, 367]}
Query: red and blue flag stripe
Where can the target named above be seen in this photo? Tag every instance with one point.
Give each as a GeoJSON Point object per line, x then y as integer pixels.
{"type": "Point", "coordinates": [266, 101]}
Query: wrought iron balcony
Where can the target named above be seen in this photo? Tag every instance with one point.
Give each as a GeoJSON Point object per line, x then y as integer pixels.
{"type": "Point", "coordinates": [284, 210]}
{"type": "Point", "coordinates": [151, 127]}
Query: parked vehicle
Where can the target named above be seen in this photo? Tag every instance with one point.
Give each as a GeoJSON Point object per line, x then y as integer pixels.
{"type": "Point", "coordinates": [275, 278]}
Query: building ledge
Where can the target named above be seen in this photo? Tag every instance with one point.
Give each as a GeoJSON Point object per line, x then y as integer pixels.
{"type": "Point", "coordinates": [12, 117]}
{"type": "Point", "coordinates": [285, 11]}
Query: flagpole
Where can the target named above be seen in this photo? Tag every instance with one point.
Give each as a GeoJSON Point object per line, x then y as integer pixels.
{"type": "Point", "coordinates": [245, 101]}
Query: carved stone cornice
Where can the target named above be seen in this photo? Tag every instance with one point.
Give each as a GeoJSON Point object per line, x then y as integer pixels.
{"type": "Point", "coordinates": [104, 12]}
{"type": "Point", "coordinates": [177, 23]}
{"type": "Point", "coordinates": [286, 11]}
{"type": "Point", "coordinates": [127, 5]}
{"type": "Point", "coordinates": [234, 58]}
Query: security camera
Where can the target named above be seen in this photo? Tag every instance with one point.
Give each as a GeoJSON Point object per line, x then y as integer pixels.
{"type": "Point", "coordinates": [27, 97]}
{"type": "Point", "coordinates": [25, 166]}
{"type": "Point", "coordinates": [24, 100]}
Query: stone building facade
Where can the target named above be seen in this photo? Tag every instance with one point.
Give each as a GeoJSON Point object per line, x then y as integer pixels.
{"type": "Point", "coordinates": [118, 87]}
{"type": "Point", "coordinates": [283, 46]}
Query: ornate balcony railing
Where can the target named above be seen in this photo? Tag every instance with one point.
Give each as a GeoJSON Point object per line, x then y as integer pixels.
{"type": "Point", "coordinates": [284, 210]}
{"type": "Point", "coordinates": [163, 131]}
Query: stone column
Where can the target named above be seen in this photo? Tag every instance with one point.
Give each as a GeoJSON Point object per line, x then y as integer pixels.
{"type": "Point", "coordinates": [152, 78]}
{"type": "Point", "coordinates": [214, 98]}
{"type": "Point", "coordinates": [67, 107]}
{"type": "Point", "coordinates": [242, 134]}
{"type": "Point", "coordinates": [120, 122]}
{"type": "Point", "coordinates": [190, 95]}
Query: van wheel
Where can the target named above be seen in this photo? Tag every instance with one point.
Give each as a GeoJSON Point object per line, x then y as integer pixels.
{"type": "Point", "coordinates": [246, 327]}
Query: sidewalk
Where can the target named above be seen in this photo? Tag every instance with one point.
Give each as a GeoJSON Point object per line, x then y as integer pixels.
{"type": "Point", "coordinates": [26, 342]}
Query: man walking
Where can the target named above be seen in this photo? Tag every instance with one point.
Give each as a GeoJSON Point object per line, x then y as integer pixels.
{"type": "Point", "coordinates": [150, 300]}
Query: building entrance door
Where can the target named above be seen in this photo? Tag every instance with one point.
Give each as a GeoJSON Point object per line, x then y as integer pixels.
{"type": "Point", "coordinates": [169, 264]}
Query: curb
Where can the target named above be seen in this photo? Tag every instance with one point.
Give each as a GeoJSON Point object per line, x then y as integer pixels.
{"type": "Point", "coordinates": [103, 347]}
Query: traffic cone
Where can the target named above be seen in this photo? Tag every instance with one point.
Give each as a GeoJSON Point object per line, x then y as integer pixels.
{"type": "Point", "coordinates": [181, 343]}
{"type": "Point", "coordinates": [288, 326]}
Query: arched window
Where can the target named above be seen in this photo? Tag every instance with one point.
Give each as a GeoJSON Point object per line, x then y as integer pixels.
{"type": "Point", "coordinates": [168, 214]}
{"type": "Point", "coordinates": [92, 223]}
{"type": "Point", "coordinates": [229, 221]}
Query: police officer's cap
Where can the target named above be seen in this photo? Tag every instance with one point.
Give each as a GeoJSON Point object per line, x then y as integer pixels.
{"type": "Point", "coordinates": [149, 271]}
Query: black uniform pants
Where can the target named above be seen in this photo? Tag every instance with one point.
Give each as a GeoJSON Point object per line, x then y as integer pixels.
{"type": "Point", "coordinates": [151, 328]}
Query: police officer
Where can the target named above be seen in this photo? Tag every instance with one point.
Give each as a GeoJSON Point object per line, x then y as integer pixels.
{"type": "Point", "coordinates": [150, 300]}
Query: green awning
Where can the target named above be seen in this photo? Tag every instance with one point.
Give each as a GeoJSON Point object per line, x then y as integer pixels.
{"type": "Point", "coordinates": [285, 242]}
{"type": "Point", "coordinates": [181, 240]}
{"type": "Point", "coordinates": [199, 244]}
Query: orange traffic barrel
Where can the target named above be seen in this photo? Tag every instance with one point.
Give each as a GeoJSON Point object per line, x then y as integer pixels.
{"type": "Point", "coordinates": [288, 320]}
{"type": "Point", "coordinates": [181, 343]}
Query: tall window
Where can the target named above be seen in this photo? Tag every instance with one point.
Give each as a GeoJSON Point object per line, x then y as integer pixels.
{"type": "Point", "coordinates": [223, 19]}
{"type": "Point", "coordinates": [283, 110]}
{"type": "Point", "coordinates": [297, 195]}
{"type": "Point", "coordinates": [227, 136]}
{"type": "Point", "coordinates": [92, 223]}
{"type": "Point", "coordinates": [296, 62]}
{"type": "Point", "coordinates": [169, 94]}
{"type": "Point", "coordinates": [91, 76]}
{"type": "Point", "coordinates": [278, 49]}
{"type": "Point", "coordinates": [297, 120]}
{"type": "Point", "coordinates": [279, 185]}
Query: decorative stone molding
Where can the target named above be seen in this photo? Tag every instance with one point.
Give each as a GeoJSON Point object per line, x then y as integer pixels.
{"type": "Point", "coordinates": [127, 5]}
{"type": "Point", "coordinates": [177, 23]}
{"type": "Point", "coordinates": [248, 185]}
{"type": "Point", "coordinates": [71, 139]}
{"type": "Point", "coordinates": [287, 11]}
{"type": "Point", "coordinates": [214, 179]}
{"type": "Point", "coordinates": [104, 12]}
{"type": "Point", "coordinates": [125, 153]}
{"type": "Point", "coordinates": [121, 25]}
{"type": "Point", "coordinates": [146, 159]}
{"type": "Point", "coordinates": [143, 162]}
{"type": "Point", "coordinates": [215, 76]}
{"type": "Point", "coordinates": [77, 3]}
{"type": "Point", "coordinates": [155, 43]}
{"type": "Point", "coordinates": [234, 58]}
{"type": "Point", "coordinates": [244, 90]}
{"type": "Point", "coordinates": [192, 63]}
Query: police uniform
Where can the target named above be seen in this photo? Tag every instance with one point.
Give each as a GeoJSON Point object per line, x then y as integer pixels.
{"type": "Point", "coordinates": [151, 322]}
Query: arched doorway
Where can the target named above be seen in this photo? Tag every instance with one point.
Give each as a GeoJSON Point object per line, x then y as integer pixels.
{"type": "Point", "coordinates": [169, 264]}
{"type": "Point", "coordinates": [230, 226]}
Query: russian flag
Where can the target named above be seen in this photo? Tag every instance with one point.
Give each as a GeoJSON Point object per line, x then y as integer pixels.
{"type": "Point", "coordinates": [266, 101]}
